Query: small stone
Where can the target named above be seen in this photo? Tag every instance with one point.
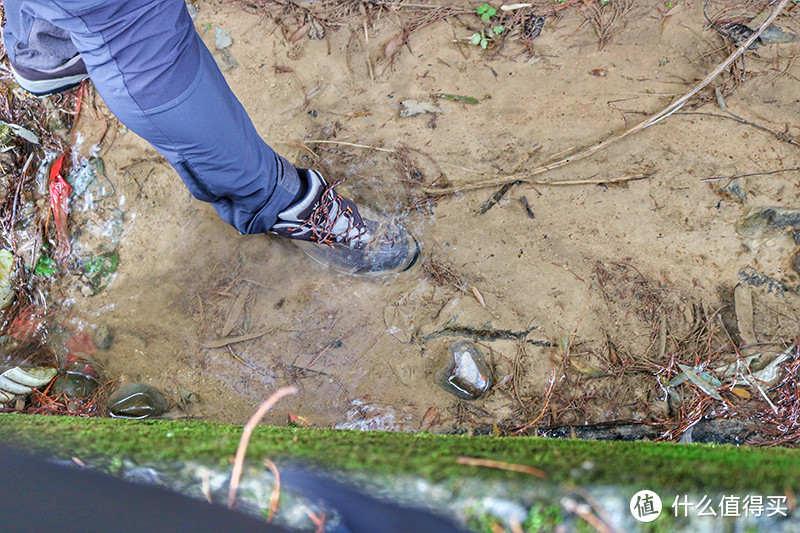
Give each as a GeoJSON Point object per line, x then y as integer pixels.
{"type": "Point", "coordinates": [466, 376]}
{"type": "Point", "coordinates": [137, 401]}
{"type": "Point", "coordinates": [775, 35]}
{"type": "Point", "coordinates": [103, 337]}
{"type": "Point", "coordinates": [74, 385]}
{"type": "Point", "coordinates": [735, 191]}
{"type": "Point", "coordinates": [762, 219]}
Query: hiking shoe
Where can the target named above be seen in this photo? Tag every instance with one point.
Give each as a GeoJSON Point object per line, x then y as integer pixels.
{"type": "Point", "coordinates": [348, 239]}
{"type": "Point", "coordinates": [44, 82]}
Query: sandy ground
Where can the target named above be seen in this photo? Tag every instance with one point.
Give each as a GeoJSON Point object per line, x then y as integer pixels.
{"type": "Point", "coordinates": [607, 266]}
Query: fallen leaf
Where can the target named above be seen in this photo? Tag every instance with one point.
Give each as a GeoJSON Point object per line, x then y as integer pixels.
{"type": "Point", "coordinates": [741, 393]}
{"type": "Point", "coordinates": [299, 421]}
{"type": "Point", "coordinates": [479, 296]}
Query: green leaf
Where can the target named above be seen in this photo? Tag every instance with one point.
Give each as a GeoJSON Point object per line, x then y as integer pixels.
{"type": "Point", "coordinates": [491, 11]}
{"type": "Point", "coordinates": [457, 98]}
{"type": "Point", "coordinates": [484, 43]}
{"type": "Point", "coordinates": [99, 270]}
{"type": "Point", "coordinates": [6, 273]}
{"type": "Point", "coordinates": [475, 39]}
{"type": "Point", "coordinates": [498, 29]}
{"type": "Point", "coordinates": [482, 9]}
{"type": "Point", "coordinates": [485, 16]}
{"type": "Point", "coordinates": [45, 266]}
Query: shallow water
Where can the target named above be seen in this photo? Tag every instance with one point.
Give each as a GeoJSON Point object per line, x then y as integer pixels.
{"type": "Point", "coordinates": [182, 271]}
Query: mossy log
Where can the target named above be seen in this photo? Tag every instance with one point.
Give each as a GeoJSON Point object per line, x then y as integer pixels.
{"type": "Point", "coordinates": [665, 466]}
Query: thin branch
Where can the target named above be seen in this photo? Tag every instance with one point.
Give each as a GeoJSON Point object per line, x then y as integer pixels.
{"type": "Point", "coordinates": [246, 433]}
{"type": "Point", "coordinates": [511, 467]}
{"type": "Point", "coordinates": [719, 178]}
{"type": "Point", "coordinates": [664, 113]}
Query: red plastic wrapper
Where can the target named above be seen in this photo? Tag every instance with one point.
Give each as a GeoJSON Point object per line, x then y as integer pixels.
{"type": "Point", "coordinates": [59, 203]}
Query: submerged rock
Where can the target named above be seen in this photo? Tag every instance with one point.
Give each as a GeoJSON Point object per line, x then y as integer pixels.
{"type": "Point", "coordinates": [74, 385]}
{"type": "Point", "coordinates": [466, 376]}
{"type": "Point", "coordinates": [103, 337]}
{"type": "Point", "coordinates": [137, 401]}
{"type": "Point", "coordinates": [775, 35]}
{"type": "Point", "coordinates": [761, 219]}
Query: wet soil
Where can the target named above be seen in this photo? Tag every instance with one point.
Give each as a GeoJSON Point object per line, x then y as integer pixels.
{"type": "Point", "coordinates": [625, 272]}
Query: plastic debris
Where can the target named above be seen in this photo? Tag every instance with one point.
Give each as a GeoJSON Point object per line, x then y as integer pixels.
{"type": "Point", "coordinates": [222, 39]}
{"type": "Point", "coordinates": [771, 374]}
{"type": "Point", "coordinates": [24, 366]}
{"type": "Point", "coordinates": [90, 179]}
{"type": "Point", "coordinates": [59, 203]}
{"type": "Point", "coordinates": [700, 382]}
{"type": "Point", "coordinates": [466, 376]}
{"type": "Point", "coordinates": [18, 382]}
{"type": "Point", "coordinates": [410, 108]}
{"type": "Point", "coordinates": [137, 401]}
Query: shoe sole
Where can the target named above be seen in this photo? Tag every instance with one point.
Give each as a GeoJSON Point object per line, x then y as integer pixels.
{"type": "Point", "coordinates": [47, 86]}
{"type": "Point", "coordinates": [369, 274]}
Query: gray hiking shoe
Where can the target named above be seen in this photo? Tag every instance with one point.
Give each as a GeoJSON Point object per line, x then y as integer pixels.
{"type": "Point", "coordinates": [348, 239]}
{"type": "Point", "coordinates": [43, 82]}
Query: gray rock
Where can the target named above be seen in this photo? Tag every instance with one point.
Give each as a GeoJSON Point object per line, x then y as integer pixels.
{"type": "Point", "coordinates": [466, 376]}
{"type": "Point", "coordinates": [103, 337]}
{"type": "Point", "coordinates": [137, 401]}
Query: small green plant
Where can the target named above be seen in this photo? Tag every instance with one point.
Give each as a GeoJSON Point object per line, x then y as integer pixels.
{"type": "Point", "coordinates": [479, 39]}
{"type": "Point", "coordinates": [45, 266]}
{"type": "Point", "coordinates": [541, 518]}
{"type": "Point", "coordinates": [485, 11]}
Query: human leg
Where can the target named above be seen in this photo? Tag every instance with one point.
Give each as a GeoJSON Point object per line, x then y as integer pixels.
{"type": "Point", "coordinates": [42, 56]}
{"type": "Point", "coordinates": [155, 74]}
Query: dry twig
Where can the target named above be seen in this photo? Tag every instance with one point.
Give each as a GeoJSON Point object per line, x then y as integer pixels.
{"type": "Point", "coordinates": [246, 433]}
{"type": "Point", "coordinates": [501, 465]}
{"type": "Point", "coordinates": [653, 119]}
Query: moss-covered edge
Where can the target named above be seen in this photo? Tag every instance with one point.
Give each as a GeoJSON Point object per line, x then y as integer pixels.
{"type": "Point", "coordinates": [664, 466]}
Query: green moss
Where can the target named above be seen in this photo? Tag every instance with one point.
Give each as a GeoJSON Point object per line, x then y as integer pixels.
{"type": "Point", "coordinates": [675, 467]}
{"type": "Point", "coordinates": [543, 518]}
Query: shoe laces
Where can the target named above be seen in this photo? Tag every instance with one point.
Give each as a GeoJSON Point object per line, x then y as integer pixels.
{"type": "Point", "coordinates": [323, 225]}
